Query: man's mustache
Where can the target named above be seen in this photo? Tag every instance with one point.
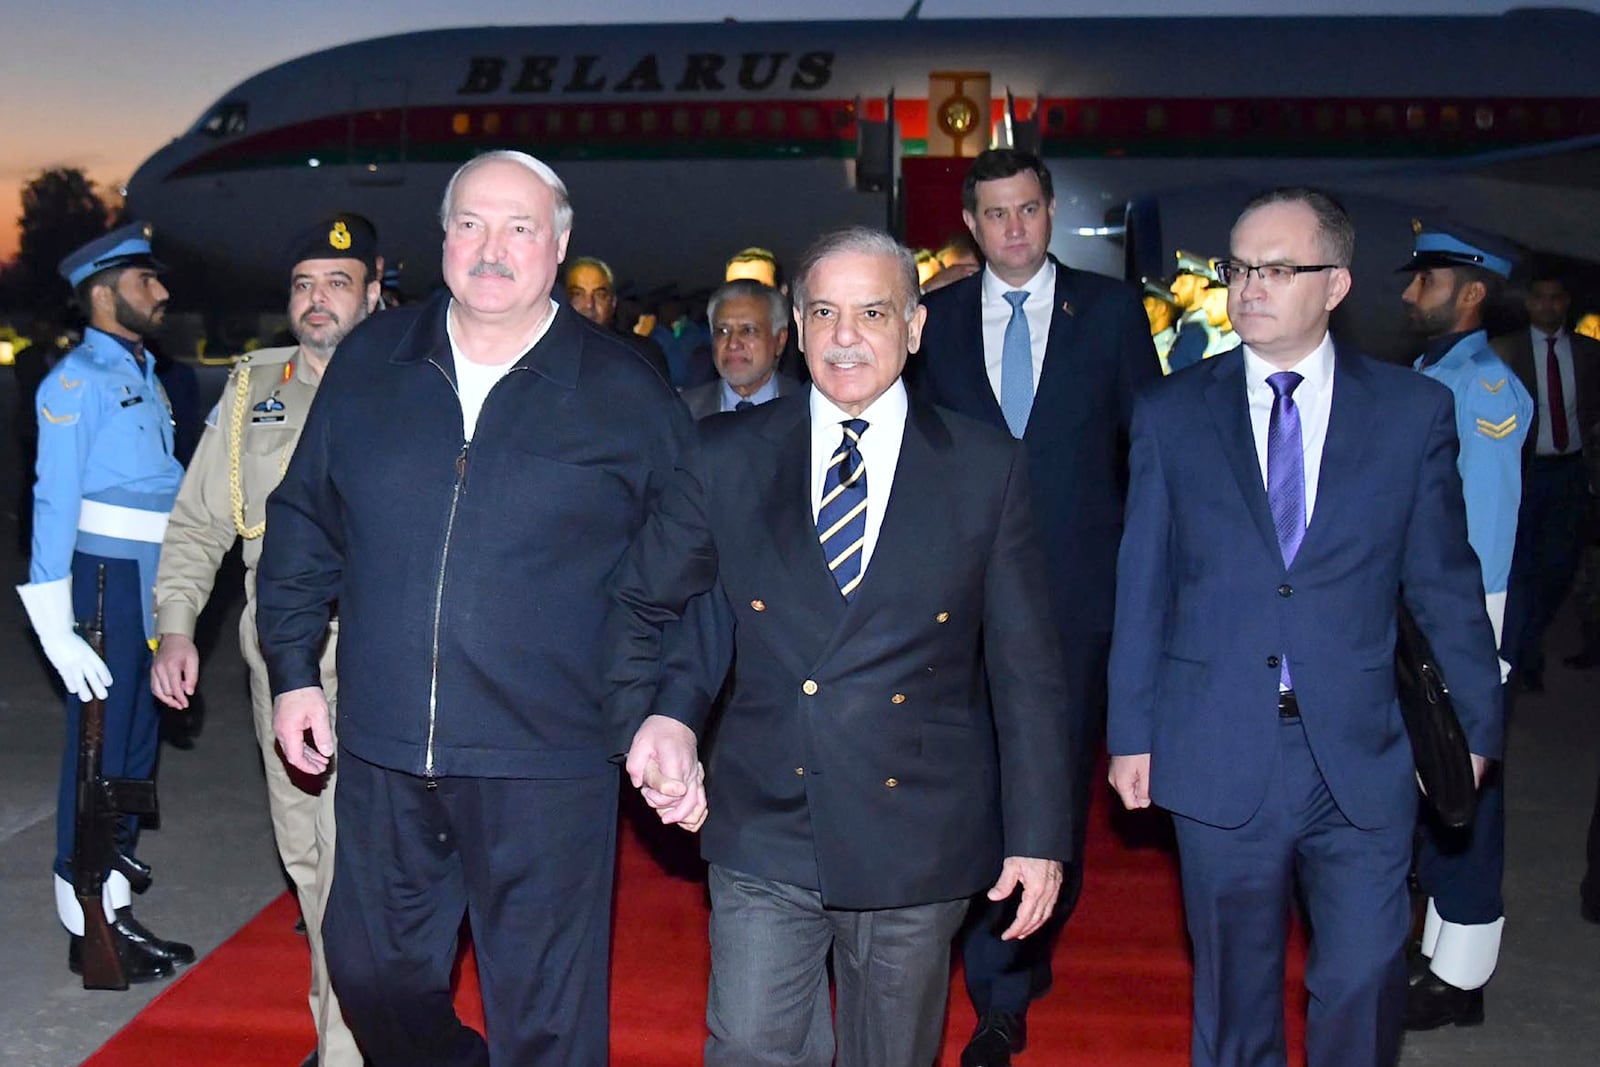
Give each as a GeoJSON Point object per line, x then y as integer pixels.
{"type": "Point", "coordinates": [848, 355]}
{"type": "Point", "coordinates": [499, 270]}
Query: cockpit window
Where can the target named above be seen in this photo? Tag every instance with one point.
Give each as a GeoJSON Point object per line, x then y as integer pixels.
{"type": "Point", "coordinates": [225, 120]}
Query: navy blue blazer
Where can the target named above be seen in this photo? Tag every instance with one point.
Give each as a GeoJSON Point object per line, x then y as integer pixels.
{"type": "Point", "coordinates": [1098, 355]}
{"type": "Point", "coordinates": [890, 750]}
{"type": "Point", "coordinates": [1205, 605]}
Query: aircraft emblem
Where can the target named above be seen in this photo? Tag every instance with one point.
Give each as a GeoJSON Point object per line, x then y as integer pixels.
{"type": "Point", "coordinates": [270, 404]}
{"type": "Point", "coordinates": [339, 236]}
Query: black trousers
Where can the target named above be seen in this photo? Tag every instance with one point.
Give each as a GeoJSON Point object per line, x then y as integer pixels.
{"type": "Point", "coordinates": [528, 861]}
{"type": "Point", "coordinates": [1591, 873]}
{"type": "Point", "coordinates": [1006, 975]}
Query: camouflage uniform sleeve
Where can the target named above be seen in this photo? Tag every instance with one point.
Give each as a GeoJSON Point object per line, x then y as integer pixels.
{"type": "Point", "coordinates": [201, 529]}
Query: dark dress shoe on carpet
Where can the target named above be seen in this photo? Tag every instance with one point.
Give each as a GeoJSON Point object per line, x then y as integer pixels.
{"type": "Point", "coordinates": [137, 964]}
{"type": "Point", "coordinates": [999, 1034]}
{"type": "Point", "coordinates": [1433, 1002]}
{"type": "Point", "coordinates": [136, 933]}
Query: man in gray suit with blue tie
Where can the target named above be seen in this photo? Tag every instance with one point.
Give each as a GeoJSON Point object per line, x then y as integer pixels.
{"type": "Point", "coordinates": [1252, 689]}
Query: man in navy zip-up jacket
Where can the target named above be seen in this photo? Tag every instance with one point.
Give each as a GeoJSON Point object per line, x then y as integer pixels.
{"type": "Point", "coordinates": [471, 472]}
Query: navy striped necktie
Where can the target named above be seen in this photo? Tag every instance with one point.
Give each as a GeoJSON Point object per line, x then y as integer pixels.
{"type": "Point", "coordinates": [842, 518]}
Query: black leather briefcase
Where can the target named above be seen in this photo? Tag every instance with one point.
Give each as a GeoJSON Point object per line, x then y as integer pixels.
{"type": "Point", "coordinates": [1438, 745]}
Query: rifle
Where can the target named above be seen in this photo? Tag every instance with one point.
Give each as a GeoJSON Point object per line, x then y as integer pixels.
{"type": "Point", "coordinates": [101, 802]}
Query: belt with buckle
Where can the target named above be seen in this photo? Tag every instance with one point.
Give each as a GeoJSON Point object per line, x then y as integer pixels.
{"type": "Point", "coordinates": [1288, 706]}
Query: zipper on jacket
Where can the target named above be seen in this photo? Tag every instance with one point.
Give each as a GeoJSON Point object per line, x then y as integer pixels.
{"type": "Point", "coordinates": [438, 612]}
{"type": "Point", "coordinates": [438, 590]}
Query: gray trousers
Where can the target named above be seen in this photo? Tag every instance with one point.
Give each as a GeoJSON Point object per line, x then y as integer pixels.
{"type": "Point", "coordinates": [768, 1004]}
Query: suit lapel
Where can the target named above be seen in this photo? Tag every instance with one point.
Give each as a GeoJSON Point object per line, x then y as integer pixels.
{"type": "Point", "coordinates": [970, 361]}
{"type": "Point", "coordinates": [1340, 480]}
{"type": "Point", "coordinates": [1225, 397]}
{"type": "Point", "coordinates": [786, 508]}
{"type": "Point", "coordinates": [1056, 376]}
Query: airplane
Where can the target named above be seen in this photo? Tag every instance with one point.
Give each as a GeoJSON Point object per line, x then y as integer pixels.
{"type": "Point", "coordinates": [681, 143]}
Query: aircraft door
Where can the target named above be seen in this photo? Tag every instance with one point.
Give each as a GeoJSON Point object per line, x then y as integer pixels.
{"type": "Point", "coordinates": [379, 132]}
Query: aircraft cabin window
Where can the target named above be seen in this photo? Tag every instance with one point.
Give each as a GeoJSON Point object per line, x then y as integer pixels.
{"type": "Point", "coordinates": [491, 122]}
{"type": "Point", "coordinates": [460, 124]}
{"type": "Point", "coordinates": [226, 119]}
{"type": "Point", "coordinates": [1450, 117]}
{"type": "Point", "coordinates": [617, 120]}
{"type": "Point", "coordinates": [1416, 117]}
{"type": "Point", "coordinates": [682, 122]}
{"type": "Point", "coordinates": [777, 120]}
{"type": "Point", "coordinates": [649, 121]}
{"type": "Point", "coordinates": [1354, 119]}
{"type": "Point", "coordinates": [1485, 118]}
{"type": "Point", "coordinates": [1222, 118]}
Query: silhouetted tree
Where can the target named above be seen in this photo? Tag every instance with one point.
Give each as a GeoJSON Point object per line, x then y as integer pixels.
{"type": "Point", "coordinates": [60, 211]}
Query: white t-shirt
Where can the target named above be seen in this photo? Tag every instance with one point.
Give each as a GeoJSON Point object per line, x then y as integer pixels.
{"type": "Point", "coordinates": [474, 380]}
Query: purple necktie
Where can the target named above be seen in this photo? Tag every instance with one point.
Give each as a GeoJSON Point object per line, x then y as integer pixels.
{"type": "Point", "coordinates": [1286, 475]}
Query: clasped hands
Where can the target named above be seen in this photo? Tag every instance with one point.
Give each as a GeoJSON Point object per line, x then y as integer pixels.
{"type": "Point", "coordinates": [663, 764]}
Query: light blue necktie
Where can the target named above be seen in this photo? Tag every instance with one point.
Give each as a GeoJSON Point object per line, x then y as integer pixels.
{"type": "Point", "coordinates": [1016, 367]}
{"type": "Point", "coordinates": [1286, 476]}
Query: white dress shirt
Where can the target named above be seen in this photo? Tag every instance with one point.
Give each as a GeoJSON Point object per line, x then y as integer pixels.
{"type": "Point", "coordinates": [1313, 397]}
{"type": "Point", "coordinates": [879, 447]}
{"type": "Point", "coordinates": [1546, 446]}
{"type": "Point", "coordinates": [1041, 290]}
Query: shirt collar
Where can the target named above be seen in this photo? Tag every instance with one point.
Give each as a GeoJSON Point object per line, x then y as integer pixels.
{"type": "Point", "coordinates": [1316, 368]}
{"type": "Point", "coordinates": [889, 408]}
{"type": "Point", "coordinates": [1441, 346]}
{"type": "Point", "coordinates": [768, 391]}
{"type": "Point", "coordinates": [1539, 335]}
{"type": "Point", "coordinates": [1043, 281]}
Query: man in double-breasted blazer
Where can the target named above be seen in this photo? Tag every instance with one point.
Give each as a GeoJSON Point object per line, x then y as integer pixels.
{"type": "Point", "coordinates": [893, 738]}
{"type": "Point", "coordinates": [1057, 366]}
{"type": "Point", "coordinates": [1283, 498]}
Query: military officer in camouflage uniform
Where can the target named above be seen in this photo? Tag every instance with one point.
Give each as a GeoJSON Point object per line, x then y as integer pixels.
{"type": "Point", "coordinates": [333, 285]}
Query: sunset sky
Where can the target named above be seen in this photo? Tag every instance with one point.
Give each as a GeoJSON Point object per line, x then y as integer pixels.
{"type": "Point", "coordinates": [100, 85]}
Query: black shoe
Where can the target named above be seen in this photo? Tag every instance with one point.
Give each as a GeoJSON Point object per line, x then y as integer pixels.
{"type": "Point", "coordinates": [136, 933]}
{"type": "Point", "coordinates": [1433, 1002]}
{"type": "Point", "coordinates": [137, 964]}
{"type": "Point", "coordinates": [1416, 966]}
{"type": "Point", "coordinates": [999, 1034]}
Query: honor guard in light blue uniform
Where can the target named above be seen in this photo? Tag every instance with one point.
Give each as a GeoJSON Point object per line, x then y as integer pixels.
{"type": "Point", "coordinates": [106, 482]}
{"type": "Point", "coordinates": [1455, 275]}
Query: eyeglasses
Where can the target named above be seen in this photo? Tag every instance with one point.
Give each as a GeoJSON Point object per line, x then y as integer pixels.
{"type": "Point", "coordinates": [748, 332]}
{"type": "Point", "coordinates": [1272, 275]}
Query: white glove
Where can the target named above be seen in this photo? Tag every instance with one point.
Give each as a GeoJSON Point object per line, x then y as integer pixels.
{"type": "Point", "coordinates": [49, 606]}
{"type": "Point", "coordinates": [1495, 604]}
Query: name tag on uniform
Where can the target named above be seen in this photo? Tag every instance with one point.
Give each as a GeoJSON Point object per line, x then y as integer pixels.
{"type": "Point", "coordinates": [259, 420]}
{"type": "Point", "coordinates": [132, 400]}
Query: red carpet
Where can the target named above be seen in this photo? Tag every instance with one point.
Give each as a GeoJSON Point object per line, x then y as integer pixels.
{"type": "Point", "coordinates": [1121, 995]}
